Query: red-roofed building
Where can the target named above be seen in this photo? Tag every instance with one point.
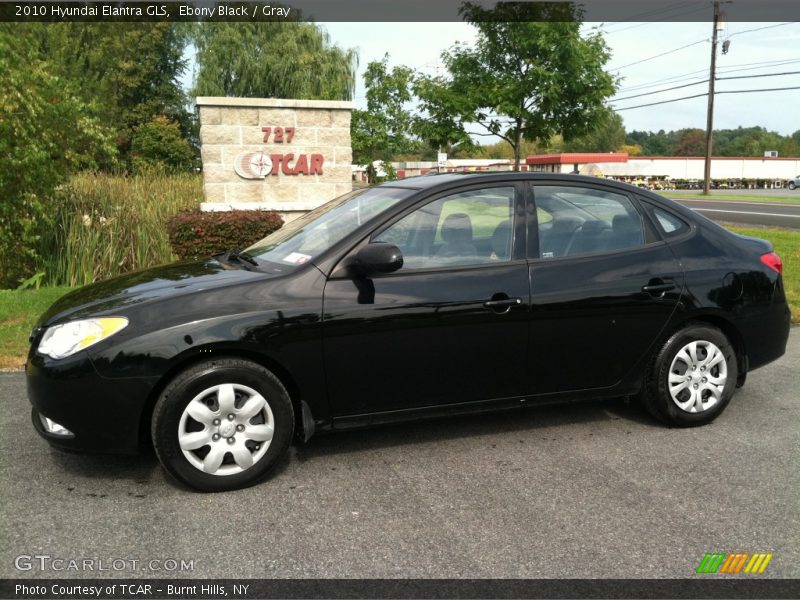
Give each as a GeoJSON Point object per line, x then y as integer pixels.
{"type": "Point", "coordinates": [672, 171]}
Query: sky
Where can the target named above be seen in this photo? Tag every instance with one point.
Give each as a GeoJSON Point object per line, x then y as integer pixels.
{"type": "Point", "coordinates": [419, 45]}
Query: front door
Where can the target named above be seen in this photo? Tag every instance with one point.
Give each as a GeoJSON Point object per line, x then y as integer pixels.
{"type": "Point", "coordinates": [450, 325]}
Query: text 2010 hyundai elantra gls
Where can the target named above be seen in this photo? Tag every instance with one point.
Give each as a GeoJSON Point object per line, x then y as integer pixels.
{"type": "Point", "coordinates": [416, 298]}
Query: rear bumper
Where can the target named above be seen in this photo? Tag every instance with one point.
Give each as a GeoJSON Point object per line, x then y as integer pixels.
{"type": "Point", "coordinates": [103, 415]}
{"type": "Point", "coordinates": [766, 336]}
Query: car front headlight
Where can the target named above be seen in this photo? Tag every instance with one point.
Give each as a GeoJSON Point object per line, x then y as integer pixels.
{"type": "Point", "coordinates": [66, 339]}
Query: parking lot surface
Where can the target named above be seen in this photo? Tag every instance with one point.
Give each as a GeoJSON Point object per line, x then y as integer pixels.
{"type": "Point", "coordinates": [578, 491]}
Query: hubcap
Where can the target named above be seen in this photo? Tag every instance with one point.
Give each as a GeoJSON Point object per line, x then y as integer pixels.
{"type": "Point", "coordinates": [697, 376]}
{"type": "Point", "coordinates": [226, 429]}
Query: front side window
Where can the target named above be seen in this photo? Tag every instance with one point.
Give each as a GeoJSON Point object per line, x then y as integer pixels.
{"type": "Point", "coordinates": [467, 228]}
{"type": "Point", "coordinates": [303, 239]}
{"type": "Point", "coordinates": [574, 221]}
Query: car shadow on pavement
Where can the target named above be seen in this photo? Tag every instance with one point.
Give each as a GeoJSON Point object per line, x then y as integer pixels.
{"type": "Point", "coordinates": [137, 472]}
{"type": "Point", "coordinates": [137, 468]}
{"type": "Point", "coordinates": [528, 419]}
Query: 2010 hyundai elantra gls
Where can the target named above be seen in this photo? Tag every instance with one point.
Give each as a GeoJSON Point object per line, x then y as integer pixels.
{"type": "Point", "coordinates": [418, 298]}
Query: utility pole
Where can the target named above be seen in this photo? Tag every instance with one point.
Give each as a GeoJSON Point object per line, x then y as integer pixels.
{"type": "Point", "coordinates": [710, 120]}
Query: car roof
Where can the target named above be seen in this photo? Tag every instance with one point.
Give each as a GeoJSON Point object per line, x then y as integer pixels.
{"type": "Point", "coordinates": [426, 182]}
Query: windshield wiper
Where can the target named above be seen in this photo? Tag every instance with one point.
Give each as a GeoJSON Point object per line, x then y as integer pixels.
{"type": "Point", "coordinates": [235, 255]}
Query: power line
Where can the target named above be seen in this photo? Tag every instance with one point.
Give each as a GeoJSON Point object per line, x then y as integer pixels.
{"type": "Point", "coordinates": [729, 69]}
{"type": "Point", "coordinates": [726, 69]}
{"type": "Point", "coordinates": [662, 18]}
{"type": "Point", "coordinates": [659, 55]}
{"type": "Point", "coordinates": [760, 28]}
{"type": "Point", "coordinates": [694, 44]}
{"type": "Point", "coordinates": [662, 102]}
{"type": "Point", "coordinates": [677, 87]}
{"type": "Point", "coordinates": [781, 89]}
{"type": "Point", "coordinates": [651, 13]}
{"type": "Point", "coordinates": [759, 75]}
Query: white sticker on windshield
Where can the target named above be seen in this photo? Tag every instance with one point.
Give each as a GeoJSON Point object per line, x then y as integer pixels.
{"type": "Point", "coordinates": [295, 258]}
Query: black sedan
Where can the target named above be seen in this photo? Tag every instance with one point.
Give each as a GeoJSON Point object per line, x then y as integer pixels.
{"type": "Point", "coordinates": [418, 298]}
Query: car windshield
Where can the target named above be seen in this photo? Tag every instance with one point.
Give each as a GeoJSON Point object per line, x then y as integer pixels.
{"type": "Point", "coordinates": [304, 239]}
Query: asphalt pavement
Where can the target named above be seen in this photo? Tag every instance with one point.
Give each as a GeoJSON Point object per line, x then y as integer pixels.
{"type": "Point", "coordinates": [581, 491]}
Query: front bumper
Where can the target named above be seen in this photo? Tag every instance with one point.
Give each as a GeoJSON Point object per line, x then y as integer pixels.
{"type": "Point", "coordinates": [103, 415]}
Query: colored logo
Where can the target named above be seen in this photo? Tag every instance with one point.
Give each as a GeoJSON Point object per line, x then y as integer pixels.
{"type": "Point", "coordinates": [734, 563]}
{"type": "Point", "coordinates": [260, 165]}
{"type": "Point", "coordinates": [253, 165]}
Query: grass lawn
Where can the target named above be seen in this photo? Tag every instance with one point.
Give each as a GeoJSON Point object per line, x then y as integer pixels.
{"type": "Point", "coordinates": [723, 196]}
{"type": "Point", "coordinates": [19, 310]}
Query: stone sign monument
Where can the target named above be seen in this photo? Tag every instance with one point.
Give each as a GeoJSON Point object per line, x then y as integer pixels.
{"type": "Point", "coordinates": [267, 153]}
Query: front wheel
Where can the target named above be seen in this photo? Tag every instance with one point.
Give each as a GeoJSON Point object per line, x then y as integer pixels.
{"type": "Point", "coordinates": [222, 424]}
{"type": "Point", "coordinates": [692, 378]}
{"type": "Point", "coordinates": [792, 185]}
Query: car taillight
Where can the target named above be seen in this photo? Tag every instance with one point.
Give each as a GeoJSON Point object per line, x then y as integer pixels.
{"type": "Point", "coordinates": [773, 261]}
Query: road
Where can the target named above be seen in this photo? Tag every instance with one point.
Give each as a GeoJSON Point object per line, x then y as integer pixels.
{"type": "Point", "coordinates": [764, 213]}
{"type": "Point", "coordinates": [581, 491]}
{"type": "Point", "coordinates": [771, 193]}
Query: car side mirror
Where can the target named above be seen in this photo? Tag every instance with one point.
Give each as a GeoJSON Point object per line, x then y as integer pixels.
{"type": "Point", "coordinates": [378, 257]}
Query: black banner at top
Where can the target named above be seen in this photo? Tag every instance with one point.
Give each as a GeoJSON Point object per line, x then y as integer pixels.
{"type": "Point", "coordinates": [389, 10]}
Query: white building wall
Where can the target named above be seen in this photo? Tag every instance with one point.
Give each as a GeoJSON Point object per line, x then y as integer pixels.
{"type": "Point", "coordinates": [692, 168]}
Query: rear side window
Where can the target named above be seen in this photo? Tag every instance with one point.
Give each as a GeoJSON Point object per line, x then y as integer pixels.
{"type": "Point", "coordinates": [575, 221]}
{"type": "Point", "coordinates": [670, 225]}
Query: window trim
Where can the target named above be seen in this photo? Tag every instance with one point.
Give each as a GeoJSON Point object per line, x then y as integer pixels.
{"type": "Point", "coordinates": [651, 236]}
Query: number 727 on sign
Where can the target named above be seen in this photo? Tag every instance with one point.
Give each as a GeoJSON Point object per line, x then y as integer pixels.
{"type": "Point", "coordinates": [280, 134]}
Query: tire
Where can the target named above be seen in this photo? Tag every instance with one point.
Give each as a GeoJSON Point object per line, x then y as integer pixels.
{"type": "Point", "coordinates": [198, 442]}
{"type": "Point", "coordinates": [792, 185]}
{"type": "Point", "coordinates": [676, 394]}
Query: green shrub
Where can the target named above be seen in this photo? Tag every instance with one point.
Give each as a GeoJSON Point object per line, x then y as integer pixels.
{"type": "Point", "coordinates": [105, 225]}
{"type": "Point", "coordinates": [196, 234]}
{"type": "Point", "coordinates": [159, 144]}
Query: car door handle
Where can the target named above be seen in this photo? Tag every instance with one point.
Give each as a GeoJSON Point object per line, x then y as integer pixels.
{"type": "Point", "coordinates": [658, 287]}
{"type": "Point", "coordinates": [502, 305]}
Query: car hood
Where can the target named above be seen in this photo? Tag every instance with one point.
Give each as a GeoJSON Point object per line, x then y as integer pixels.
{"type": "Point", "coordinates": [116, 294]}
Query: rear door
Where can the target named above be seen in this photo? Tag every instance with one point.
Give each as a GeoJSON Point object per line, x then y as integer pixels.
{"type": "Point", "coordinates": [451, 325]}
{"type": "Point", "coordinates": [603, 286]}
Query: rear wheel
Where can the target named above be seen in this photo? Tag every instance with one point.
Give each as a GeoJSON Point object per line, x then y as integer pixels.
{"type": "Point", "coordinates": [222, 424]}
{"type": "Point", "coordinates": [692, 377]}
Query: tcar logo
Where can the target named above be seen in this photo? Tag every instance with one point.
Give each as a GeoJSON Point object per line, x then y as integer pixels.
{"type": "Point", "coordinates": [252, 165]}
{"type": "Point", "coordinates": [258, 165]}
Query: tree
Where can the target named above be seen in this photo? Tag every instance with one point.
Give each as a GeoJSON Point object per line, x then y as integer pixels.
{"type": "Point", "coordinates": [160, 145]}
{"type": "Point", "coordinates": [441, 123]}
{"type": "Point", "coordinates": [690, 142]}
{"type": "Point", "coordinates": [129, 72]}
{"type": "Point", "coordinates": [530, 76]}
{"type": "Point", "coordinates": [45, 131]}
{"type": "Point", "coordinates": [631, 149]}
{"type": "Point", "coordinates": [272, 59]}
{"type": "Point", "coordinates": [383, 130]}
{"type": "Point", "coordinates": [742, 141]}
{"type": "Point", "coordinates": [607, 136]}
{"type": "Point", "coordinates": [652, 144]}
